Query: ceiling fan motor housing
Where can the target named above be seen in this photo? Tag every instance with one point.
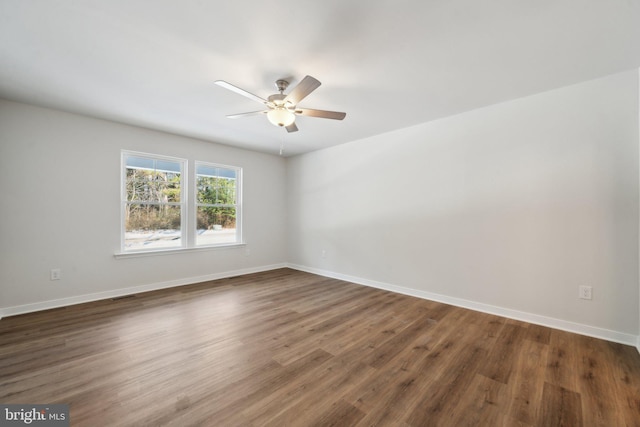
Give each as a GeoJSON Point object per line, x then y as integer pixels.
{"type": "Point", "coordinates": [278, 100]}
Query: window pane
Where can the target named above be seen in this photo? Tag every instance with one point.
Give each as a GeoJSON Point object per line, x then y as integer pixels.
{"type": "Point", "coordinates": [206, 170]}
{"type": "Point", "coordinates": [227, 173]}
{"type": "Point", "coordinates": [207, 190]}
{"type": "Point", "coordinates": [168, 166]}
{"type": "Point", "coordinates": [140, 163]}
{"type": "Point", "coordinates": [134, 162]}
{"type": "Point", "coordinates": [229, 191]}
{"type": "Point", "coordinates": [216, 190]}
{"type": "Point", "coordinates": [169, 191]}
{"type": "Point", "coordinates": [216, 225]}
{"type": "Point", "coordinates": [145, 185]}
{"type": "Point", "coordinates": [151, 226]}
{"type": "Point", "coordinates": [214, 171]}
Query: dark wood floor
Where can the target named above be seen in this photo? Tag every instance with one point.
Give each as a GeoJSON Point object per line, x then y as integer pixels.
{"type": "Point", "coordinates": [286, 348]}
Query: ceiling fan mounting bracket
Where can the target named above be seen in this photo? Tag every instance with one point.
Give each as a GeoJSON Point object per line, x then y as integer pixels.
{"type": "Point", "coordinates": [282, 85]}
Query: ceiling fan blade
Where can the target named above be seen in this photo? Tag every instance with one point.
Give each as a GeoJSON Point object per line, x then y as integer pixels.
{"type": "Point", "coordinates": [292, 128]}
{"type": "Point", "coordinates": [239, 91]}
{"type": "Point", "coordinates": [304, 88]}
{"type": "Point", "coordinates": [335, 115]}
{"type": "Point", "coordinates": [252, 113]}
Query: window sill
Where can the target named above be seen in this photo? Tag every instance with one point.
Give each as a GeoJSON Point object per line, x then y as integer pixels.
{"type": "Point", "coordinates": [133, 254]}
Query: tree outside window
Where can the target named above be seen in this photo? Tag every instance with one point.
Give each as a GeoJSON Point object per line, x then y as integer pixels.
{"type": "Point", "coordinates": [217, 204]}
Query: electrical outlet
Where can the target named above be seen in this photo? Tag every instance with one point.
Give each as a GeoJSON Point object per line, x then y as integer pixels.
{"type": "Point", "coordinates": [56, 274]}
{"type": "Point", "coordinates": [324, 253]}
{"type": "Point", "coordinates": [585, 292]}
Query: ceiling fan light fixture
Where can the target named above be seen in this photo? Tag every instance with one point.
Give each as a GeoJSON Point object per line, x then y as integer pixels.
{"type": "Point", "coordinates": [281, 117]}
{"type": "Point", "coordinates": [283, 109]}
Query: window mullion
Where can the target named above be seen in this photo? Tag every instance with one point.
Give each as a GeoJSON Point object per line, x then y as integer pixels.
{"type": "Point", "coordinates": [188, 223]}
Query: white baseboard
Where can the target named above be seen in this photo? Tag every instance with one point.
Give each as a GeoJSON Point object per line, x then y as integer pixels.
{"type": "Point", "coordinates": [63, 302]}
{"type": "Point", "coordinates": [564, 325]}
{"type": "Point", "coordinates": [578, 328]}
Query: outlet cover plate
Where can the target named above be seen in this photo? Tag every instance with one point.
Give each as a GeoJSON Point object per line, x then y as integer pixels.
{"type": "Point", "coordinates": [585, 292]}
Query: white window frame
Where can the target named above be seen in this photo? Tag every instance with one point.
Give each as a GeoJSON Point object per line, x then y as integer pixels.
{"type": "Point", "coordinates": [237, 205]}
{"type": "Point", "coordinates": [182, 204]}
{"type": "Point", "coordinates": [188, 206]}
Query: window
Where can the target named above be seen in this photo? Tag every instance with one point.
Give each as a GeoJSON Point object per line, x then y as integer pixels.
{"type": "Point", "coordinates": [217, 208]}
{"type": "Point", "coordinates": [153, 203]}
{"type": "Point", "coordinates": [159, 214]}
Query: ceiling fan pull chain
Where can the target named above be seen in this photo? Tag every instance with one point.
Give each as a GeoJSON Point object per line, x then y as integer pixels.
{"type": "Point", "coordinates": [282, 146]}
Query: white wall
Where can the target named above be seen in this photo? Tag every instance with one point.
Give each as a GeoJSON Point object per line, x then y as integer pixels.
{"type": "Point", "coordinates": [60, 176]}
{"type": "Point", "coordinates": [510, 206]}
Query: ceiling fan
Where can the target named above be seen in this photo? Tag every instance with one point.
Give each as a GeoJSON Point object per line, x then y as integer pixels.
{"type": "Point", "coordinates": [282, 109]}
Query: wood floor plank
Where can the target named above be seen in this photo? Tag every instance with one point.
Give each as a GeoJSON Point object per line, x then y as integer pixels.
{"type": "Point", "coordinates": [335, 325]}
{"type": "Point", "coordinates": [626, 372]}
{"type": "Point", "coordinates": [481, 404]}
{"type": "Point", "coordinates": [439, 401]}
{"type": "Point", "coordinates": [301, 403]}
{"type": "Point", "coordinates": [524, 391]}
{"type": "Point", "coordinates": [503, 353]}
{"type": "Point", "coordinates": [285, 347]}
{"type": "Point", "coordinates": [340, 414]}
{"type": "Point", "coordinates": [562, 360]}
{"type": "Point", "coordinates": [560, 407]}
{"type": "Point", "coordinates": [596, 378]}
{"type": "Point", "coordinates": [427, 361]}
{"type": "Point", "coordinates": [399, 395]}
{"type": "Point", "coordinates": [395, 345]}
{"type": "Point", "coordinates": [539, 334]}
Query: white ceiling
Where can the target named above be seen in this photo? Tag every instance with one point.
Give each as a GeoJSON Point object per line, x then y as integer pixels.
{"type": "Point", "coordinates": [388, 64]}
